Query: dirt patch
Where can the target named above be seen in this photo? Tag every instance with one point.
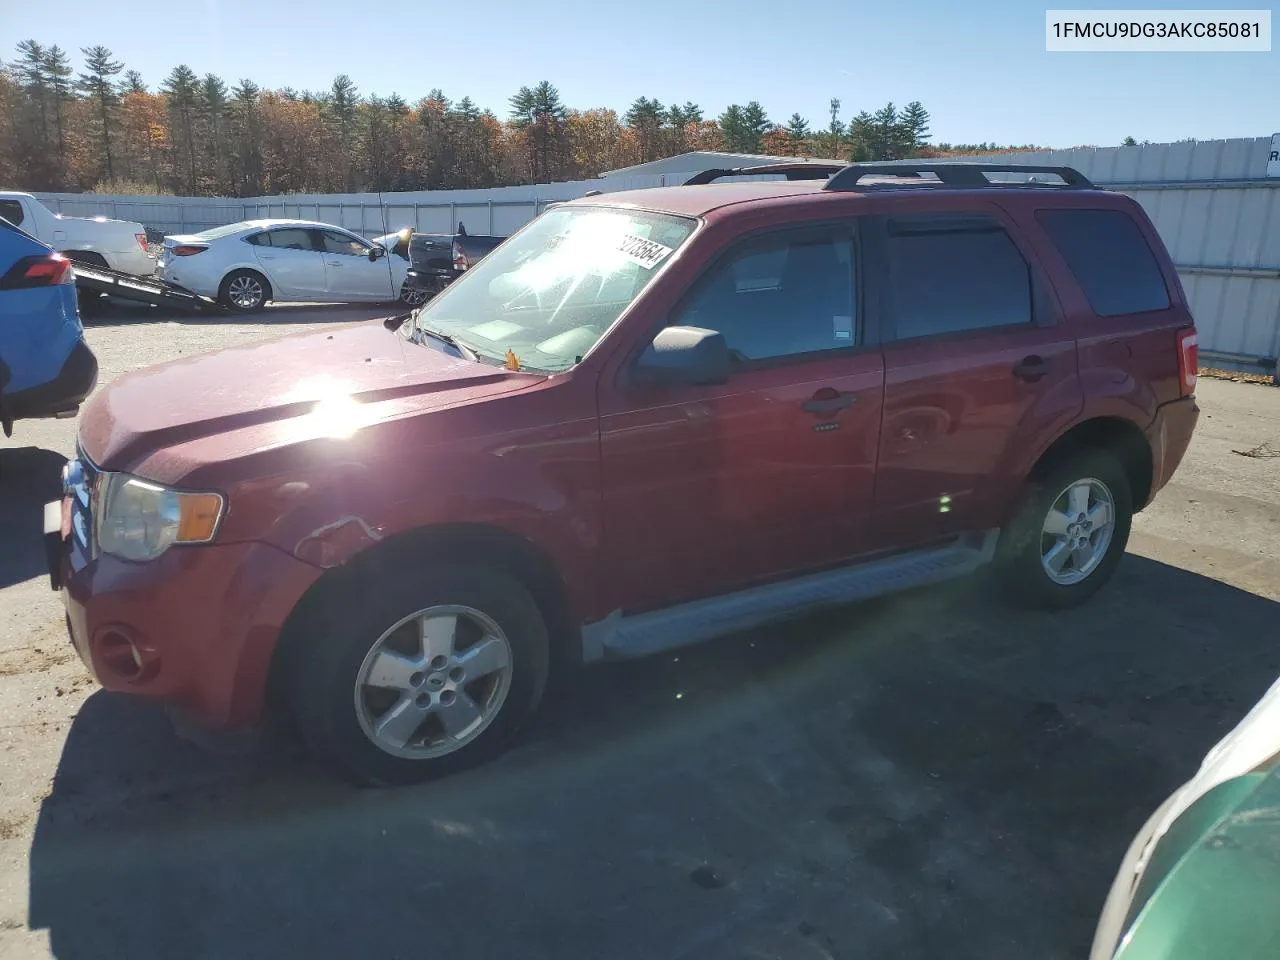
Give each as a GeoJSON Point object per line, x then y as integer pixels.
{"type": "Point", "coordinates": [11, 827]}
{"type": "Point", "coordinates": [21, 660]}
{"type": "Point", "coordinates": [1214, 373]}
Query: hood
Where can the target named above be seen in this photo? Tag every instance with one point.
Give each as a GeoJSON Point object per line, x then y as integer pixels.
{"type": "Point", "coordinates": [264, 383]}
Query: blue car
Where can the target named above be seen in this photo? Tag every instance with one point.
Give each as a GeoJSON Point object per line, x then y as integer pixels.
{"type": "Point", "coordinates": [46, 368]}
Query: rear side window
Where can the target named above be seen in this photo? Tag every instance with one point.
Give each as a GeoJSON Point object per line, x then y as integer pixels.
{"type": "Point", "coordinates": [948, 275]}
{"type": "Point", "coordinates": [289, 238]}
{"type": "Point", "coordinates": [1110, 258]}
{"type": "Point", "coordinates": [11, 210]}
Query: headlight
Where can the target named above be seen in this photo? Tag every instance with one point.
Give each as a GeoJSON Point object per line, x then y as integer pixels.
{"type": "Point", "coordinates": [140, 520]}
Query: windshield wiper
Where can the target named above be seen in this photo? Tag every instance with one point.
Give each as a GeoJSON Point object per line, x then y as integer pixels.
{"type": "Point", "coordinates": [466, 352]}
{"type": "Point", "coordinates": [421, 330]}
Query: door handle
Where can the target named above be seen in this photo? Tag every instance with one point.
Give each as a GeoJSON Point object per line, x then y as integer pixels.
{"type": "Point", "coordinates": [1031, 368]}
{"type": "Point", "coordinates": [333, 263]}
{"type": "Point", "coordinates": [832, 403]}
{"type": "Point", "coordinates": [265, 256]}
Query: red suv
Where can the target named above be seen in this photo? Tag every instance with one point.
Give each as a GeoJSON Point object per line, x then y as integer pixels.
{"type": "Point", "coordinates": [647, 419]}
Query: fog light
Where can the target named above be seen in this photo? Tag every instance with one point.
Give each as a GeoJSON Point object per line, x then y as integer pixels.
{"type": "Point", "coordinates": [123, 657]}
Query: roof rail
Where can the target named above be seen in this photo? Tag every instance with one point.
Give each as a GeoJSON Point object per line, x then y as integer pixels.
{"type": "Point", "coordinates": [799, 170]}
{"type": "Point", "coordinates": [951, 174]}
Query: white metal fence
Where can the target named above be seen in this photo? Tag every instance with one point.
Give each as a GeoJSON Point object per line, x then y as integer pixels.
{"type": "Point", "coordinates": [1210, 200]}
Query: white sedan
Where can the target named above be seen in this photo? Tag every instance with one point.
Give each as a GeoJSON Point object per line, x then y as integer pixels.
{"type": "Point", "coordinates": [243, 265]}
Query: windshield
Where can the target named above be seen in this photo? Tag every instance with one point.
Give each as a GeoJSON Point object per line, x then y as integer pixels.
{"type": "Point", "coordinates": [549, 293]}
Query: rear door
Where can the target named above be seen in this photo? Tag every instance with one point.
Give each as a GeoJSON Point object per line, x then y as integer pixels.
{"type": "Point", "coordinates": [292, 263]}
{"type": "Point", "coordinates": [349, 273]}
{"type": "Point", "coordinates": [978, 362]}
{"type": "Point", "coordinates": [711, 488]}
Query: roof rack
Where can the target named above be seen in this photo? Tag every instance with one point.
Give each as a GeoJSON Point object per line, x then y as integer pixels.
{"type": "Point", "coordinates": [952, 175]}
{"type": "Point", "coordinates": [799, 170]}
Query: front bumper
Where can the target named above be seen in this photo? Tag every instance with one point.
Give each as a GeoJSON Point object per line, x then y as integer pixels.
{"type": "Point", "coordinates": [1170, 435]}
{"type": "Point", "coordinates": [61, 395]}
{"type": "Point", "coordinates": [194, 629]}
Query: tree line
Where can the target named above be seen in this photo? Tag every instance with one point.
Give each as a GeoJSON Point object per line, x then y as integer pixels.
{"type": "Point", "coordinates": [102, 128]}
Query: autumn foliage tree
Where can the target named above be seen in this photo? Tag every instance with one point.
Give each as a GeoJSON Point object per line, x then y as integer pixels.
{"type": "Point", "coordinates": [103, 128]}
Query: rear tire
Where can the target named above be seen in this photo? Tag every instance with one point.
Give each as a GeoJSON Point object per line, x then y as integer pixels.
{"type": "Point", "coordinates": [404, 679]}
{"type": "Point", "coordinates": [1068, 533]}
{"type": "Point", "coordinates": [90, 304]}
{"type": "Point", "coordinates": [244, 291]}
{"type": "Point", "coordinates": [413, 296]}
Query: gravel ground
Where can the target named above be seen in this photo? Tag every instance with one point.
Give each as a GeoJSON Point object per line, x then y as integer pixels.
{"type": "Point", "coordinates": [919, 777]}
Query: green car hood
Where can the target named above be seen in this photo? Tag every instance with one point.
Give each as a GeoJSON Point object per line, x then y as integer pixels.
{"type": "Point", "coordinates": [1211, 888]}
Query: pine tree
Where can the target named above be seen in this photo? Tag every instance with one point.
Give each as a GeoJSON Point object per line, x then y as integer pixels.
{"type": "Point", "coordinates": [539, 113]}
{"type": "Point", "coordinates": [98, 85]}
{"type": "Point", "coordinates": [797, 132]}
{"type": "Point", "coordinates": [646, 117]}
{"type": "Point", "coordinates": [862, 138]}
{"type": "Point", "coordinates": [32, 125]}
{"type": "Point", "coordinates": [132, 83]}
{"type": "Point", "coordinates": [914, 121]}
{"type": "Point", "coordinates": [756, 124]}
{"type": "Point", "coordinates": [681, 119]}
{"type": "Point", "coordinates": [733, 129]}
{"type": "Point", "coordinates": [58, 73]}
{"type": "Point", "coordinates": [245, 114]}
{"type": "Point", "coordinates": [343, 100]}
{"type": "Point", "coordinates": [213, 108]}
{"type": "Point", "coordinates": [183, 89]}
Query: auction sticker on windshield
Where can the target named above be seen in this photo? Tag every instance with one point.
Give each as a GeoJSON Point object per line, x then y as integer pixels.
{"type": "Point", "coordinates": [647, 253]}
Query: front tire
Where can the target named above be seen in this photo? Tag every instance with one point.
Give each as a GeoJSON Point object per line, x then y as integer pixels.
{"type": "Point", "coordinates": [403, 680]}
{"type": "Point", "coordinates": [1068, 534]}
{"type": "Point", "coordinates": [244, 291]}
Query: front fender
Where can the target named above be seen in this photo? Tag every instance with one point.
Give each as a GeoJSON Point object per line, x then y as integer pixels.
{"type": "Point", "coordinates": [347, 496]}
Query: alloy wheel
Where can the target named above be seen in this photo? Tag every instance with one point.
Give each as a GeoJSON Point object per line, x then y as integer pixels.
{"type": "Point", "coordinates": [245, 292]}
{"type": "Point", "coordinates": [433, 682]}
{"type": "Point", "coordinates": [1077, 531]}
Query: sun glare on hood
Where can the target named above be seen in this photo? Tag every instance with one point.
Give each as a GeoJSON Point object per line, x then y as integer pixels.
{"type": "Point", "coordinates": [334, 414]}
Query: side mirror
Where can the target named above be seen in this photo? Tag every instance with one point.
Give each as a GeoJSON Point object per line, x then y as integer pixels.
{"type": "Point", "coordinates": [685, 356]}
{"type": "Point", "coordinates": [375, 252]}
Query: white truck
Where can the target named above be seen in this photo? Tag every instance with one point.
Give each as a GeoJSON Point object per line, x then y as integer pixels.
{"type": "Point", "coordinates": [115, 244]}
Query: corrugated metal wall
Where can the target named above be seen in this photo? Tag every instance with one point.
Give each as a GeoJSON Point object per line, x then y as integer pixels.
{"type": "Point", "coordinates": [1210, 201]}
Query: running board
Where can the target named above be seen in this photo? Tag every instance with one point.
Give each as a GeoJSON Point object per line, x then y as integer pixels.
{"type": "Point", "coordinates": [619, 637]}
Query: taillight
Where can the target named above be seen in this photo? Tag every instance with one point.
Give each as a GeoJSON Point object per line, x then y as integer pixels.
{"type": "Point", "coordinates": [1188, 360]}
{"type": "Point", "coordinates": [142, 242]}
{"type": "Point", "coordinates": [45, 271]}
{"type": "Point", "coordinates": [187, 251]}
{"type": "Point", "coordinates": [459, 258]}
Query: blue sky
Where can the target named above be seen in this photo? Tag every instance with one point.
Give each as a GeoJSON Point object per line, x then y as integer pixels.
{"type": "Point", "coordinates": [980, 69]}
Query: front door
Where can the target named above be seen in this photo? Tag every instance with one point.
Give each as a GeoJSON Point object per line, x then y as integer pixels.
{"type": "Point", "coordinates": [709, 489]}
{"type": "Point", "coordinates": [292, 262]}
{"type": "Point", "coordinates": [349, 272]}
{"type": "Point", "coordinates": [977, 363]}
